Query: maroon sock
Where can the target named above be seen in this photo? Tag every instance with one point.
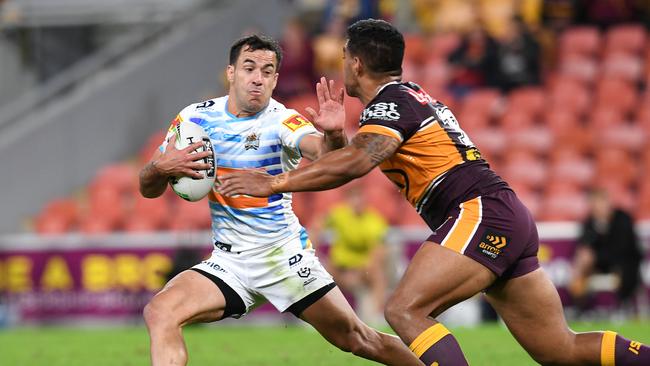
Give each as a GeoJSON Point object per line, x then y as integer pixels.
{"type": "Point", "coordinates": [619, 351]}
{"type": "Point", "coordinates": [437, 347]}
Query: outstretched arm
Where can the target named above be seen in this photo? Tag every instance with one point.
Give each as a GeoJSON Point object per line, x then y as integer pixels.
{"type": "Point", "coordinates": [332, 170]}
{"type": "Point", "coordinates": [330, 118]}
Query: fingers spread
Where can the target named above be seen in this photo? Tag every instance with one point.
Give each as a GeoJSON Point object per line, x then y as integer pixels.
{"type": "Point", "coordinates": [312, 113]}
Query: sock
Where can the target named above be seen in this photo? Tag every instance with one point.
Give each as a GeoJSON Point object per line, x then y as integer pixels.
{"type": "Point", "coordinates": [437, 347]}
{"type": "Point", "coordinates": [618, 351]}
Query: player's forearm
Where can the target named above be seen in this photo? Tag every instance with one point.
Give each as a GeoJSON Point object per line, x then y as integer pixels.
{"type": "Point", "coordinates": [333, 140]}
{"type": "Point", "coordinates": [330, 171]}
{"type": "Point", "coordinates": [152, 181]}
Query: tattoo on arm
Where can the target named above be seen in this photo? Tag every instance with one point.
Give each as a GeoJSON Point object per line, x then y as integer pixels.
{"type": "Point", "coordinates": [378, 147]}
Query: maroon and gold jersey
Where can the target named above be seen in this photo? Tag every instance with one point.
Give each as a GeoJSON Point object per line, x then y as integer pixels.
{"type": "Point", "coordinates": [437, 165]}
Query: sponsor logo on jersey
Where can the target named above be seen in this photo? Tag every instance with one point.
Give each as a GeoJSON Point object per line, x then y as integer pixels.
{"type": "Point", "coordinates": [215, 266]}
{"type": "Point", "coordinates": [492, 244]}
{"type": "Point", "coordinates": [223, 246]}
{"type": "Point", "coordinates": [206, 104]}
{"type": "Point", "coordinates": [296, 122]}
{"type": "Point", "coordinates": [252, 141]}
{"type": "Point", "coordinates": [382, 110]}
{"type": "Point", "coordinates": [295, 259]}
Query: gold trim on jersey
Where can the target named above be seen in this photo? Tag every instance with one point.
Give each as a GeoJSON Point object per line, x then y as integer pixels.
{"type": "Point", "coordinates": [468, 221]}
{"type": "Point", "coordinates": [381, 130]}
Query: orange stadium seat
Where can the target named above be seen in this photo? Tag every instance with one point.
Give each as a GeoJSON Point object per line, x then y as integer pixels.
{"type": "Point", "coordinates": [471, 121]}
{"type": "Point", "coordinates": [515, 121]}
{"type": "Point", "coordinates": [622, 65]}
{"type": "Point", "coordinates": [523, 167]}
{"type": "Point", "coordinates": [435, 75]}
{"type": "Point", "coordinates": [617, 93]}
{"type": "Point", "coordinates": [416, 49]}
{"type": "Point", "coordinates": [643, 118]}
{"type": "Point", "coordinates": [643, 207]}
{"type": "Point", "coordinates": [537, 138]}
{"type": "Point", "coordinates": [301, 102]}
{"type": "Point", "coordinates": [563, 201]}
{"type": "Point", "coordinates": [492, 142]}
{"type": "Point", "coordinates": [123, 176]}
{"type": "Point", "coordinates": [629, 137]}
{"type": "Point", "coordinates": [629, 38]}
{"type": "Point", "coordinates": [584, 40]}
{"type": "Point", "coordinates": [152, 144]}
{"type": "Point", "coordinates": [605, 116]}
{"type": "Point", "coordinates": [579, 67]}
{"type": "Point", "coordinates": [155, 210]}
{"type": "Point", "coordinates": [615, 164]}
{"type": "Point", "coordinates": [487, 101]}
{"type": "Point", "coordinates": [57, 217]}
{"type": "Point", "coordinates": [620, 194]}
{"type": "Point", "coordinates": [569, 165]}
{"type": "Point", "coordinates": [567, 94]}
{"type": "Point", "coordinates": [189, 215]}
{"type": "Point", "coordinates": [529, 100]}
{"type": "Point", "coordinates": [139, 224]}
{"type": "Point", "coordinates": [442, 44]}
{"type": "Point", "coordinates": [93, 224]}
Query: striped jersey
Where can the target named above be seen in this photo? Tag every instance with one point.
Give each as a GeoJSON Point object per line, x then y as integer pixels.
{"type": "Point", "coordinates": [436, 166]}
{"type": "Point", "coordinates": [269, 140]}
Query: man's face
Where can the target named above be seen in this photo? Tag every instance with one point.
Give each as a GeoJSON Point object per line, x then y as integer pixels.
{"type": "Point", "coordinates": [349, 74]}
{"type": "Point", "coordinates": [252, 80]}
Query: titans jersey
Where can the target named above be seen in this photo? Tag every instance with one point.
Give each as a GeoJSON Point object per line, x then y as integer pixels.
{"type": "Point", "coordinates": [268, 140]}
{"type": "Point", "coordinates": [437, 165]}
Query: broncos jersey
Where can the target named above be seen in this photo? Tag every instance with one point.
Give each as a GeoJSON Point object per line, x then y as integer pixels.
{"type": "Point", "coordinates": [436, 166]}
{"type": "Point", "coordinates": [269, 140]}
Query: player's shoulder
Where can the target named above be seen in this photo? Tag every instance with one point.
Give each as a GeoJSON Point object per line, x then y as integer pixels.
{"type": "Point", "coordinates": [284, 116]}
{"type": "Point", "coordinates": [214, 105]}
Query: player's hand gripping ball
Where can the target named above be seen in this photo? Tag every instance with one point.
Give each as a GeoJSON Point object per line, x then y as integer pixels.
{"type": "Point", "coordinates": [194, 189]}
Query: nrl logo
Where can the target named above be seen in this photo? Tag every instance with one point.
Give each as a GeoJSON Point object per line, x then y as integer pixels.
{"type": "Point", "coordinates": [252, 141]}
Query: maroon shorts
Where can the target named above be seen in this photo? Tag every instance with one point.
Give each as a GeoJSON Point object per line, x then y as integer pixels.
{"type": "Point", "coordinates": [496, 230]}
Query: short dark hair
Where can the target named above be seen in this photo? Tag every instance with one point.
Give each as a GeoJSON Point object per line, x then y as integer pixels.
{"type": "Point", "coordinates": [378, 44]}
{"type": "Point", "coordinates": [255, 42]}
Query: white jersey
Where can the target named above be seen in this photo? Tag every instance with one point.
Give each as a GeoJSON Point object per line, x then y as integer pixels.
{"type": "Point", "coordinates": [268, 140]}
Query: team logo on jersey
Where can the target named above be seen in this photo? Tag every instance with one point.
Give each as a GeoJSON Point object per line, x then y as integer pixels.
{"type": "Point", "coordinates": [296, 122]}
{"type": "Point", "coordinates": [492, 244]}
{"type": "Point", "coordinates": [304, 272]}
{"type": "Point", "coordinates": [252, 141]}
{"type": "Point", "coordinates": [382, 110]}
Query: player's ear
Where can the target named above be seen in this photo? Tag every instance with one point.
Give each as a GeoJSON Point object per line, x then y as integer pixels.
{"type": "Point", "coordinates": [230, 73]}
{"type": "Point", "coordinates": [357, 66]}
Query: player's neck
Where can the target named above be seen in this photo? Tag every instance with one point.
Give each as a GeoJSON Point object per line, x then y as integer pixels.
{"type": "Point", "coordinates": [370, 87]}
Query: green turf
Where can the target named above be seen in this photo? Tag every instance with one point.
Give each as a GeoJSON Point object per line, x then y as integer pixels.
{"type": "Point", "coordinates": [229, 345]}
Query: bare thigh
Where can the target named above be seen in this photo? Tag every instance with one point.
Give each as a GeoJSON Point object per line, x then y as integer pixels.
{"type": "Point", "coordinates": [436, 279]}
{"type": "Point", "coordinates": [189, 298]}
{"type": "Point", "coordinates": [531, 308]}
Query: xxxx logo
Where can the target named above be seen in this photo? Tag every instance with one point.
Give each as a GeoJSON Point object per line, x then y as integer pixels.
{"type": "Point", "coordinates": [497, 241]}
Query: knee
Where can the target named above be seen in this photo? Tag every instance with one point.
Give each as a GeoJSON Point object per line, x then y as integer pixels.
{"type": "Point", "coordinates": [156, 314]}
{"type": "Point", "coordinates": [399, 314]}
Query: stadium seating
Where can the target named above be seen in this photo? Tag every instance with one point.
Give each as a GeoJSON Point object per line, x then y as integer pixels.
{"type": "Point", "coordinates": [586, 126]}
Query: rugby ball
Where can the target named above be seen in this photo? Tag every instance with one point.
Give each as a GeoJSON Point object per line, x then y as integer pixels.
{"type": "Point", "coordinates": [188, 188]}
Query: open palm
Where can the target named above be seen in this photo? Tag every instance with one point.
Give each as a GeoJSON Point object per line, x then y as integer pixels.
{"type": "Point", "coordinates": [331, 113]}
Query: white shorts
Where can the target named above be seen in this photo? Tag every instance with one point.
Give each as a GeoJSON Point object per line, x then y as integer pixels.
{"type": "Point", "coordinates": [283, 274]}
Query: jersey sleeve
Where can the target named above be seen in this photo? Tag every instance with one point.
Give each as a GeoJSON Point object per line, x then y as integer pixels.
{"type": "Point", "coordinates": [183, 115]}
{"type": "Point", "coordinates": [390, 114]}
{"type": "Point", "coordinates": [293, 129]}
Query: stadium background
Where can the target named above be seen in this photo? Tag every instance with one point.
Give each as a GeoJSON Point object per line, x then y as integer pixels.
{"type": "Point", "coordinates": [87, 87]}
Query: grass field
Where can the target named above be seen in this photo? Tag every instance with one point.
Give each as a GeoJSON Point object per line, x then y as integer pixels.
{"type": "Point", "coordinates": [229, 345]}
